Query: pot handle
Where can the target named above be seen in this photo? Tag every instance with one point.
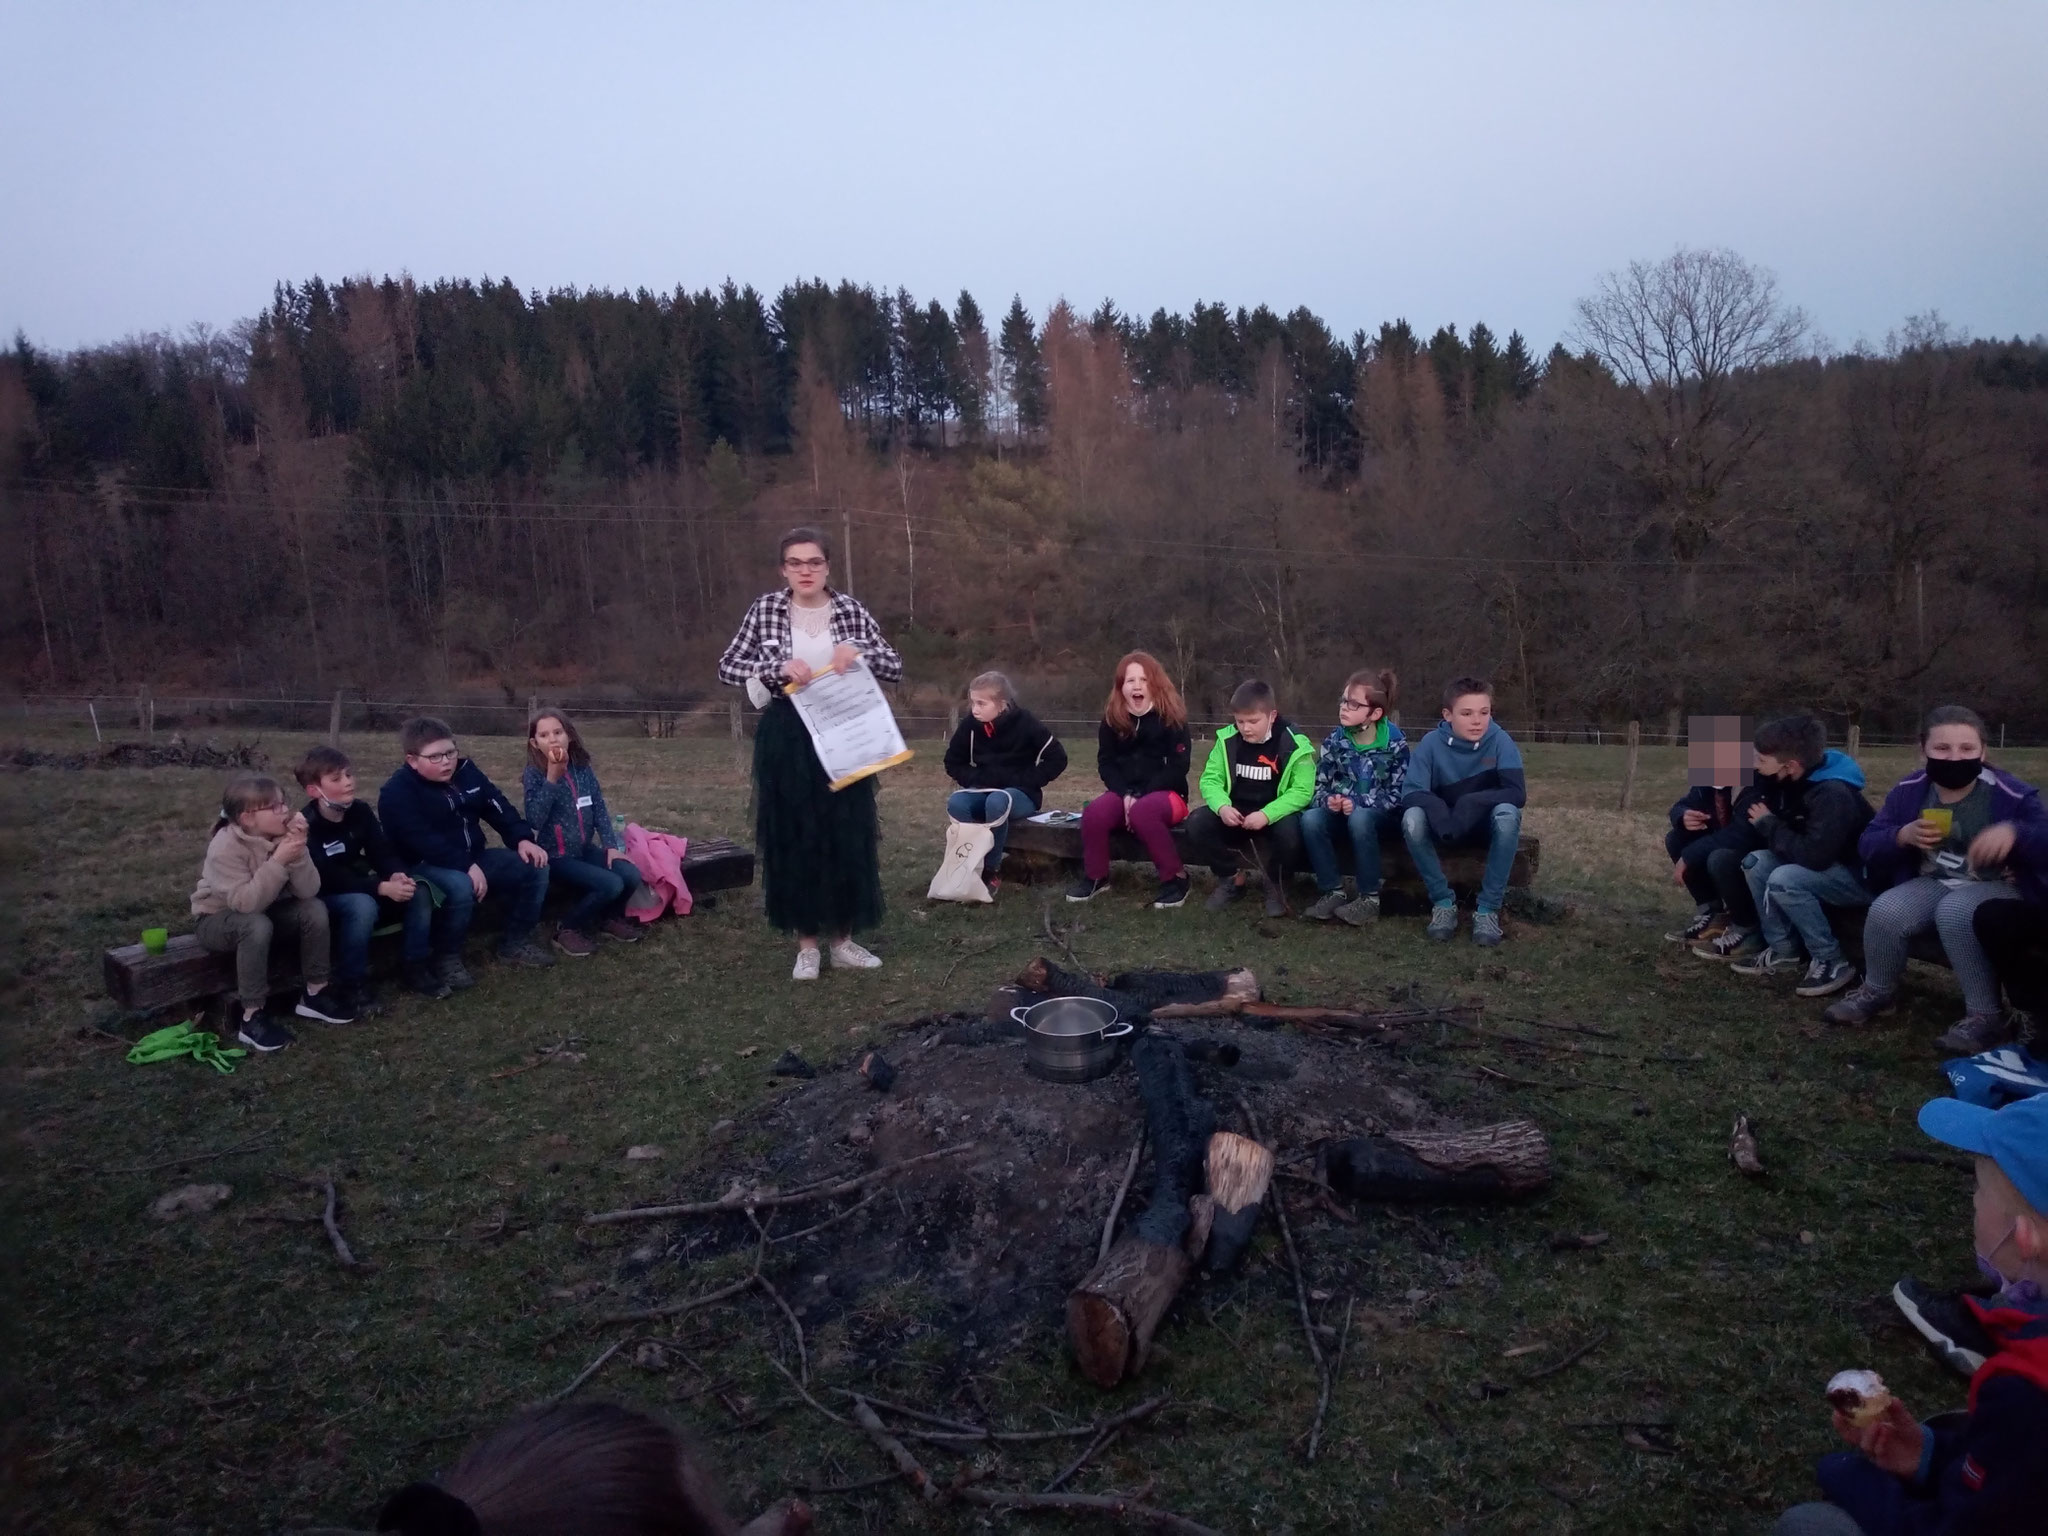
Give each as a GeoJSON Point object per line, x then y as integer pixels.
{"type": "Point", "coordinates": [1018, 1013]}
{"type": "Point", "coordinates": [1117, 1030]}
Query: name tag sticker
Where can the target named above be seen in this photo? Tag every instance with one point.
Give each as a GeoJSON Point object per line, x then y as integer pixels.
{"type": "Point", "coordinates": [334, 850]}
{"type": "Point", "coordinates": [583, 802]}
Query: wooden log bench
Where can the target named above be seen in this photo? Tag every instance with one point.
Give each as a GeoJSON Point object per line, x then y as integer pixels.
{"type": "Point", "coordinates": [188, 972]}
{"type": "Point", "coordinates": [1049, 851]}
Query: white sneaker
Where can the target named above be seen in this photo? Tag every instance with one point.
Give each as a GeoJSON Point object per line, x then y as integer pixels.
{"type": "Point", "coordinates": [849, 956]}
{"type": "Point", "coordinates": [807, 963]}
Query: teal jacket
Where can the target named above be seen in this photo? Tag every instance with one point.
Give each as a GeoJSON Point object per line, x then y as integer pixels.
{"type": "Point", "coordinates": [1297, 773]}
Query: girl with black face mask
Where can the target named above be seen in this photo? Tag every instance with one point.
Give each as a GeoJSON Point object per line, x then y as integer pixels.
{"type": "Point", "coordinates": [1954, 834]}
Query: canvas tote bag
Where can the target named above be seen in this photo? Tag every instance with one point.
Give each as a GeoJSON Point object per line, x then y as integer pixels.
{"type": "Point", "coordinates": [967, 844]}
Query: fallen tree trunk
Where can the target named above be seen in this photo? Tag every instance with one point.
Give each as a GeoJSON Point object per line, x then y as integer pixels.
{"type": "Point", "coordinates": [1113, 1313]}
{"type": "Point", "coordinates": [1488, 1162]}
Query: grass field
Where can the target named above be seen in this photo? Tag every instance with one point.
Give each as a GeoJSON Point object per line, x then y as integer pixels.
{"type": "Point", "coordinates": [219, 1374]}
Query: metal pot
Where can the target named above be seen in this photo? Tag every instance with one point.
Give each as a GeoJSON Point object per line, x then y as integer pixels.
{"type": "Point", "coordinates": [1071, 1039]}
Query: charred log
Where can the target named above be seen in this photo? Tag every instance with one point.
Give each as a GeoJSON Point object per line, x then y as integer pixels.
{"type": "Point", "coordinates": [1239, 1171]}
{"type": "Point", "coordinates": [1139, 993]}
{"type": "Point", "coordinates": [1491, 1162]}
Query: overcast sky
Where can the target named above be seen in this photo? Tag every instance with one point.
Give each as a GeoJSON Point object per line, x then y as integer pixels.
{"type": "Point", "coordinates": [163, 164]}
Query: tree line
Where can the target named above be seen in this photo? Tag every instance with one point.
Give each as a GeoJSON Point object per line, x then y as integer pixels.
{"type": "Point", "coordinates": [1685, 506]}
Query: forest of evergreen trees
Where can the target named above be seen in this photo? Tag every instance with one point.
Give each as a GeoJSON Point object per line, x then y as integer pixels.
{"type": "Point", "coordinates": [390, 487]}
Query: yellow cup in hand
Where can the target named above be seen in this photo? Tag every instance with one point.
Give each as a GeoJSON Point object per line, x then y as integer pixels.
{"type": "Point", "coordinates": [1941, 818]}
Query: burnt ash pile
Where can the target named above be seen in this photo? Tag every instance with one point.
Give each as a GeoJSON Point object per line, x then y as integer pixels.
{"type": "Point", "coordinates": [995, 1236]}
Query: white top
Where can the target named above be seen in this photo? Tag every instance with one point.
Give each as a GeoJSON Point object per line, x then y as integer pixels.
{"type": "Point", "coordinates": [809, 645]}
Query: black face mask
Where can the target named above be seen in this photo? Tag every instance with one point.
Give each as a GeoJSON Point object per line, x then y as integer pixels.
{"type": "Point", "coordinates": [1954, 772]}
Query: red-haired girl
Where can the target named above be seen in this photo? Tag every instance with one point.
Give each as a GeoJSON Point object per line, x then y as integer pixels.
{"type": "Point", "coordinates": [1142, 755]}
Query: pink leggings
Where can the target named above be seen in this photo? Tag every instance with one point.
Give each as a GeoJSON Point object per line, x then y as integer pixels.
{"type": "Point", "coordinates": [1151, 820]}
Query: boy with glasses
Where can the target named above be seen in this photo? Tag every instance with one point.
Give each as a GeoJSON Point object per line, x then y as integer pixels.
{"type": "Point", "coordinates": [1359, 773]}
{"type": "Point", "coordinates": [432, 810]}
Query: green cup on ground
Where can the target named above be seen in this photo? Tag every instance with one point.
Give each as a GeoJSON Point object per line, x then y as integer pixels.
{"type": "Point", "coordinates": [156, 940]}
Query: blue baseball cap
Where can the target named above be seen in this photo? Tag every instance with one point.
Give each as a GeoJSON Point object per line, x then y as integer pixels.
{"type": "Point", "coordinates": [2015, 1138]}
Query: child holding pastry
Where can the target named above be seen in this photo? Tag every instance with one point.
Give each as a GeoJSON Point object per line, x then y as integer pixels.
{"type": "Point", "coordinates": [1986, 1471]}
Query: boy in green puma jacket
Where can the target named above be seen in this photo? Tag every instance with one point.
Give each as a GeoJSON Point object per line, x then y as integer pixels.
{"type": "Point", "coordinates": [1260, 776]}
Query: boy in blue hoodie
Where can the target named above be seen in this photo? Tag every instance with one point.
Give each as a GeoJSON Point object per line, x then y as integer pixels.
{"type": "Point", "coordinates": [1985, 1471]}
{"type": "Point", "coordinates": [1809, 860]}
{"type": "Point", "coordinates": [1465, 787]}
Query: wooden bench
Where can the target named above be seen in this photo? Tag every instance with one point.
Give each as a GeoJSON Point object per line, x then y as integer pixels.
{"type": "Point", "coordinates": [1039, 850]}
{"type": "Point", "coordinates": [187, 971]}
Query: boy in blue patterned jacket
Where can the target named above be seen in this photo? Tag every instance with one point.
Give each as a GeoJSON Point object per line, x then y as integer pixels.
{"type": "Point", "coordinates": [1359, 774]}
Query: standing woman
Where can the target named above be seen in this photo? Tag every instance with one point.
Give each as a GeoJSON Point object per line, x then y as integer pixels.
{"type": "Point", "coordinates": [820, 867]}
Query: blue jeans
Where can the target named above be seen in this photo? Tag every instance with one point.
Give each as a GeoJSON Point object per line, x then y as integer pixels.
{"type": "Point", "coordinates": [441, 930]}
{"type": "Point", "coordinates": [1319, 837]}
{"type": "Point", "coordinates": [350, 917]}
{"type": "Point", "coordinates": [606, 888]}
{"type": "Point", "coordinates": [1502, 836]}
{"type": "Point", "coordinates": [1789, 898]}
{"type": "Point", "coordinates": [986, 805]}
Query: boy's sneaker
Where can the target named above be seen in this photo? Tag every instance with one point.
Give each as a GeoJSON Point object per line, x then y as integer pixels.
{"type": "Point", "coordinates": [1946, 1322]}
{"type": "Point", "coordinates": [1225, 893]}
{"type": "Point", "coordinates": [1486, 929]}
{"type": "Point", "coordinates": [994, 885]}
{"type": "Point", "coordinates": [1824, 978]}
{"type": "Point", "coordinates": [526, 952]}
{"type": "Point", "coordinates": [849, 956]}
{"type": "Point", "coordinates": [1172, 892]}
{"type": "Point", "coordinates": [1276, 898]}
{"type": "Point", "coordinates": [1325, 906]}
{"type": "Point", "coordinates": [453, 973]}
{"type": "Point", "coordinates": [1976, 1032]}
{"type": "Point", "coordinates": [260, 1032]}
{"type": "Point", "coordinates": [573, 944]}
{"type": "Point", "coordinates": [1085, 889]}
{"type": "Point", "coordinates": [807, 964]}
{"type": "Point", "coordinates": [624, 929]}
{"type": "Point", "coordinates": [1765, 962]}
{"type": "Point", "coordinates": [1443, 923]}
{"type": "Point", "coordinates": [1360, 911]}
{"type": "Point", "coordinates": [325, 1006]}
{"type": "Point", "coordinates": [1863, 1004]}
{"type": "Point", "coordinates": [422, 977]}
{"type": "Point", "coordinates": [1703, 927]}
{"type": "Point", "coordinates": [1731, 943]}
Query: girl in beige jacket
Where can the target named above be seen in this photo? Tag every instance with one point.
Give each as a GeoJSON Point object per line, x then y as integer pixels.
{"type": "Point", "coordinates": [258, 878]}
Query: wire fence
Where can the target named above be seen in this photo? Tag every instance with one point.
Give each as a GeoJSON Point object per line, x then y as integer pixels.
{"type": "Point", "coordinates": [121, 716]}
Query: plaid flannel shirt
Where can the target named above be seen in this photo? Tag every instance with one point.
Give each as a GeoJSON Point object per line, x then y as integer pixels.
{"type": "Point", "coordinates": [764, 643]}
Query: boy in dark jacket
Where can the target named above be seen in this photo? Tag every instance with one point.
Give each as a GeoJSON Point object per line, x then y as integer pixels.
{"type": "Point", "coordinates": [1465, 786]}
{"type": "Point", "coordinates": [1708, 819]}
{"type": "Point", "coordinates": [1988, 1473]}
{"type": "Point", "coordinates": [1260, 776]}
{"type": "Point", "coordinates": [431, 810]}
{"type": "Point", "coordinates": [1002, 758]}
{"type": "Point", "coordinates": [357, 868]}
{"type": "Point", "coordinates": [1808, 860]}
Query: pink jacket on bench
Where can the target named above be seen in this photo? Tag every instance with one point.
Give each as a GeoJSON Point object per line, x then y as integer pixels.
{"type": "Point", "coordinates": [659, 858]}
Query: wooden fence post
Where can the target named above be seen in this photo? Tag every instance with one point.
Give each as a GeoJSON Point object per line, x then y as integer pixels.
{"type": "Point", "coordinates": [1855, 739]}
{"type": "Point", "coordinates": [733, 713]}
{"type": "Point", "coordinates": [952, 718]}
{"type": "Point", "coordinates": [334, 721]}
{"type": "Point", "coordinates": [90, 709]}
{"type": "Point", "coordinates": [145, 713]}
{"type": "Point", "coordinates": [1628, 774]}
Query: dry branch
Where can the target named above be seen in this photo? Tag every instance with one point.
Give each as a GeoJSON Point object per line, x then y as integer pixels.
{"type": "Point", "coordinates": [341, 1248]}
{"type": "Point", "coordinates": [762, 1200]}
{"type": "Point", "coordinates": [1118, 1506]}
{"type": "Point", "coordinates": [587, 1372]}
{"type": "Point", "coordinates": [1066, 1473]}
{"type": "Point", "coordinates": [1308, 1324]}
{"type": "Point", "coordinates": [1116, 1206]}
{"type": "Point", "coordinates": [969, 1436]}
{"type": "Point", "coordinates": [179, 1162]}
{"type": "Point", "coordinates": [1570, 1359]}
{"type": "Point", "coordinates": [898, 1453]}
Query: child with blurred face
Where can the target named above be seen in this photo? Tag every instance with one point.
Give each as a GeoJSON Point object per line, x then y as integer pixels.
{"type": "Point", "coordinates": [1710, 832]}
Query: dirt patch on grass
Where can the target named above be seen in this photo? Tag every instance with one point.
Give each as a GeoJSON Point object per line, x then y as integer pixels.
{"type": "Point", "coordinates": [996, 1235]}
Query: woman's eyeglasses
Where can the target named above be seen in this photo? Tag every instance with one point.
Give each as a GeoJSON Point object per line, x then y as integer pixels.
{"type": "Point", "coordinates": [804, 565]}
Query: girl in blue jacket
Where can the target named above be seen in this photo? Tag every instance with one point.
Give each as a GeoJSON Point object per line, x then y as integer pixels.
{"type": "Point", "coordinates": [572, 822]}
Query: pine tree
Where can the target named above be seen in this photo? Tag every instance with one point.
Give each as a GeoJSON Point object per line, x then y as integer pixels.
{"type": "Point", "coordinates": [970, 379]}
{"type": "Point", "coordinates": [1023, 365]}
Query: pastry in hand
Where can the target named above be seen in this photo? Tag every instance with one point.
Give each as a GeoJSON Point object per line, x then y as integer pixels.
{"type": "Point", "coordinates": [1861, 1397]}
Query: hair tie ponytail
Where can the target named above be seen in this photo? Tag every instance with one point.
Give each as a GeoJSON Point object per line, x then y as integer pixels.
{"type": "Point", "coordinates": [427, 1509]}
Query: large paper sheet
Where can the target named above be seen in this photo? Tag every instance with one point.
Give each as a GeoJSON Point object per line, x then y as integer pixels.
{"type": "Point", "coordinates": [850, 724]}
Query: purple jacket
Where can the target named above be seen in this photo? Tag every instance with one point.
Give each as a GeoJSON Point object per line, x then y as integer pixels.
{"type": "Point", "coordinates": [2012, 800]}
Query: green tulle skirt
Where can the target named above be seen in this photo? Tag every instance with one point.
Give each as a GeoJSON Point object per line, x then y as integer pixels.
{"type": "Point", "coordinates": [820, 849]}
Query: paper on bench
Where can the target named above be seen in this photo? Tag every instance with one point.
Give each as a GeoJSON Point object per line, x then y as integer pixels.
{"type": "Point", "coordinates": [851, 725]}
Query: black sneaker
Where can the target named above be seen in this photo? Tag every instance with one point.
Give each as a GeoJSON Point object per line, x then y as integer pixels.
{"type": "Point", "coordinates": [1708, 922]}
{"type": "Point", "coordinates": [260, 1033]}
{"type": "Point", "coordinates": [361, 997]}
{"type": "Point", "coordinates": [453, 973]}
{"type": "Point", "coordinates": [422, 977]}
{"type": "Point", "coordinates": [325, 1006]}
{"type": "Point", "coordinates": [1085, 889]}
{"type": "Point", "coordinates": [1732, 944]}
{"type": "Point", "coordinates": [526, 952]}
{"type": "Point", "coordinates": [1946, 1322]}
{"type": "Point", "coordinates": [1172, 892]}
{"type": "Point", "coordinates": [1824, 978]}
{"type": "Point", "coordinates": [1226, 892]}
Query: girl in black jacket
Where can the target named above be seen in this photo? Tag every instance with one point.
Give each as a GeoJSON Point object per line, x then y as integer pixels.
{"type": "Point", "coordinates": [1002, 758]}
{"type": "Point", "coordinates": [1142, 756]}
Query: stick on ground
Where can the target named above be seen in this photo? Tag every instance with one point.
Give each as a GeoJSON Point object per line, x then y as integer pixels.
{"type": "Point", "coordinates": [1116, 1206]}
{"type": "Point", "coordinates": [341, 1248]}
{"type": "Point", "coordinates": [587, 1372]}
{"type": "Point", "coordinates": [760, 1200]}
{"type": "Point", "coordinates": [1116, 1505]}
{"type": "Point", "coordinates": [1308, 1326]}
{"type": "Point", "coordinates": [1571, 1359]}
{"type": "Point", "coordinates": [906, 1465]}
